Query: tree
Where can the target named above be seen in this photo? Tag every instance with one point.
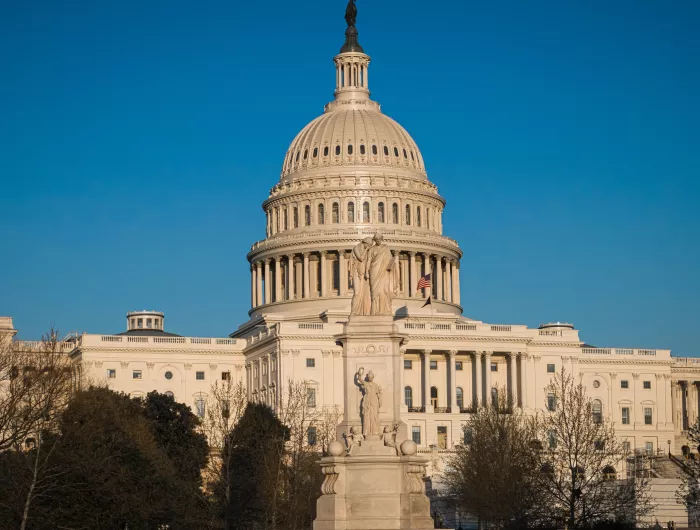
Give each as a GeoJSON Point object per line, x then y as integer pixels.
{"type": "Point", "coordinates": [578, 463]}
{"type": "Point", "coordinates": [688, 493]}
{"type": "Point", "coordinates": [490, 476]}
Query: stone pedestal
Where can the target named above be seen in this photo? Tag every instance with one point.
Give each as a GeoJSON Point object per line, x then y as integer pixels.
{"type": "Point", "coordinates": [373, 481]}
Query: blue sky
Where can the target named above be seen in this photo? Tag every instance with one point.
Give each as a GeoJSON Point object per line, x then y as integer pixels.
{"type": "Point", "coordinates": [138, 140]}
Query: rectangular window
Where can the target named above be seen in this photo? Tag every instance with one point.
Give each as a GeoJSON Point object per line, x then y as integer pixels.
{"type": "Point", "coordinates": [264, 368]}
{"type": "Point", "coordinates": [649, 448]}
{"type": "Point", "coordinates": [551, 402]}
{"type": "Point", "coordinates": [310, 362]}
{"type": "Point", "coordinates": [625, 447]}
{"type": "Point", "coordinates": [458, 366]}
{"type": "Point", "coordinates": [140, 321]}
{"type": "Point", "coordinates": [468, 436]}
{"type": "Point", "coordinates": [433, 365]}
{"type": "Point", "coordinates": [494, 367]}
{"type": "Point", "coordinates": [225, 376]}
{"type": "Point", "coordinates": [599, 445]}
{"type": "Point", "coordinates": [415, 434]}
{"type": "Point", "coordinates": [112, 373]}
{"type": "Point", "coordinates": [200, 376]}
{"type": "Point", "coordinates": [311, 436]}
{"type": "Point", "coordinates": [407, 364]}
{"type": "Point", "coordinates": [156, 323]}
{"type": "Point", "coordinates": [552, 439]}
{"type": "Point", "coordinates": [136, 374]}
{"type": "Point", "coordinates": [311, 397]}
{"type": "Point", "coordinates": [625, 416]}
{"type": "Point", "coordinates": [149, 323]}
{"type": "Point", "coordinates": [647, 416]}
{"type": "Point", "coordinates": [647, 385]}
{"type": "Point", "coordinates": [624, 384]}
{"type": "Point", "coordinates": [550, 369]}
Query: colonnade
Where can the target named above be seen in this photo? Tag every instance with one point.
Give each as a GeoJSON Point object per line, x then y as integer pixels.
{"type": "Point", "coordinates": [686, 403]}
{"type": "Point", "coordinates": [321, 274]}
{"type": "Point", "coordinates": [520, 369]}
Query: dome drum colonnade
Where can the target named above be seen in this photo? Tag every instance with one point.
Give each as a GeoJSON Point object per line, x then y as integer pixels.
{"type": "Point", "coordinates": [350, 173]}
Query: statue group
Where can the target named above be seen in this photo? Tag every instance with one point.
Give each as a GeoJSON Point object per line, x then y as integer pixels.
{"type": "Point", "coordinates": [375, 277]}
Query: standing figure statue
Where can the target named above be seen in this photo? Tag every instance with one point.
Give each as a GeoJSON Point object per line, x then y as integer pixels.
{"type": "Point", "coordinates": [359, 271]}
{"type": "Point", "coordinates": [351, 13]}
{"type": "Point", "coordinates": [383, 277]}
{"type": "Point", "coordinates": [371, 403]}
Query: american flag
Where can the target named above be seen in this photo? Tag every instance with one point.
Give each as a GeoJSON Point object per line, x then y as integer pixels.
{"type": "Point", "coordinates": [424, 282]}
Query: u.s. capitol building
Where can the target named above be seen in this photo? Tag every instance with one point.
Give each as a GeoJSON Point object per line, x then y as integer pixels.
{"type": "Point", "coordinates": [354, 172]}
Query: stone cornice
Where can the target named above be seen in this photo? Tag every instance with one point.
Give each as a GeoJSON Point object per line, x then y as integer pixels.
{"type": "Point", "coordinates": [146, 351]}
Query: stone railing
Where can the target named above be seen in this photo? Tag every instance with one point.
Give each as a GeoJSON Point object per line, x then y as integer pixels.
{"type": "Point", "coordinates": [686, 361]}
{"type": "Point", "coordinates": [632, 352]}
{"type": "Point", "coordinates": [136, 342]}
{"type": "Point", "coordinates": [38, 345]}
{"type": "Point", "coordinates": [468, 328]}
{"type": "Point", "coordinates": [303, 235]}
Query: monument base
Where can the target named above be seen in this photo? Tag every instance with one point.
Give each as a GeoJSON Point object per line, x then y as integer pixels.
{"type": "Point", "coordinates": [368, 492]}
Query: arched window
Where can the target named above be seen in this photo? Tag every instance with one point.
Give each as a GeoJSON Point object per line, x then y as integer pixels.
{"type": "Point", "coordinates": [418, 216]}
{"type": "Point", "coordinates": [200, 405]}
{"type": "Point", "coordinates": [336, 213]}
{"type": "Point", "coordinates": [380, 212]}
{"type": "Point", "coordinates": [609, 473]}
{"type": "Point", "coordinates": [395, 213]}
{"type": "Point", "coordinates": [321, 215]}
{"type": "Point", "coordinates": [284, 215]}
{"type": "Point", "coordinates": [337, 150]}
{"type": "Point", "coordinates": [362, 149]}
{"type": "Point", "coordinates": [396, 152]}
{"type": "Point", "coordinates": [325, 151]}
{"type": "Point", "coordinates": [408, 215]}
{"type": "Point", "coordinates": [597, 411]}
{"type": "Point", "coordinates": [316, 152]}
{"type": "Point", "coordinates": [351, 212]}
{"type": "Point", "coordinates": [349, 149]}
{"type": "Point", "coordinates": [408, 396]}
{"type": "Point", "coordinates": [494, 397]}
{"type": "Point", "coordinates": [365, 212]}
{"type": "Point", "coordinates": [460, 397]}
{"type": "Point", "coordinates": [434, 396]}
{"type": "Point", "coordinates": [307, 215]}
{"type": "Point", "coordinates": [296, 217]}
{"type": "Point", "coordinates": [427, 218]}
{"type": "Point", "coordinates": [374, 149]}
{"type": "Point", "coordinates": [306, 154]}
{"type": "Point", "coordinates": [386, 151]}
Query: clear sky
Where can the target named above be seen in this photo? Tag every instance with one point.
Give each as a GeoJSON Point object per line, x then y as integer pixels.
{"type": "Point", "coordinates": [138, 140]}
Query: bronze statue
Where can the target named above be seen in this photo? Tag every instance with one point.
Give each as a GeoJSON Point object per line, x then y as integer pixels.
{"type": "Point", "coordinates": [351, 13]}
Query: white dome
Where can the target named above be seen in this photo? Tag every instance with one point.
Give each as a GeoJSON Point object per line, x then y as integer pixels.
{"type": "Point", "coordinates": [353, 137]}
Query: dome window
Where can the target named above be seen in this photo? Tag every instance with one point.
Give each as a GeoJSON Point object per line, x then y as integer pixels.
{"type": "Point", "coordinates": [396, 152]}
{"type": "Point", "coordinates": [362, 149]}
{"type": "Point", "coordinates": [365, 212]}
{"type": "Point", "coordinates": [297, 157]}
{"type": "Point", "coordinates": [325, 151]}
{"type": "Point", "coordinates": [408, 215]}
{"type": "Point", "coordinates": [336, 213]}
{"type": "Point", "coordinates": [386, 151]}
{"type": "Point", "coordinates": [418, 216]}
{"type": "Point", "coordinates": [296, 217]}
{"type": "Point", "coordinates": [306, 153]}
{"type": "Point", "coordinates": [374, 149]}
{"type": "Point", "coordinates": [307, 215]}
{"type": "Point", "coordinates": [315, 153]}
{"type": "Point", "coordinates": [412, 158]}
{"type": "Point", "coordinates": [380, 212]}
{"type": "Point", "coordinates": [349, 149]}
{"type": "Point", "coordinates": [321, 215]}
{"type": "Point", "coordinates": [351, 212]}
{"type": "Point", "coordinates": [405, 154]}
{"type": "Point", "coordinates": [395, 213]}
{"type": "Point", "coordinates": [337, 150]}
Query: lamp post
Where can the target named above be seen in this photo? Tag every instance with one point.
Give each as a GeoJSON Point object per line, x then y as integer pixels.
{"type": "Point", "coordinates": [669, 448]}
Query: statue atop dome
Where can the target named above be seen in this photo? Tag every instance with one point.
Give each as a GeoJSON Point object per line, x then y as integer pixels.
{"type": "Point", "coordinates": [351, 13]}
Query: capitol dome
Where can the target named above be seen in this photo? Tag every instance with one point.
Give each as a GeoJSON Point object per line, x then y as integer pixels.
{"type": "Point", "coordinates": [353, 137]}
{"type": "Point", "coordinates": [350, 173]}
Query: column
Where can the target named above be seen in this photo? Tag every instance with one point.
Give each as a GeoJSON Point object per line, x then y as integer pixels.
{"type": "Point", "coordinates": [426, 381]}
{"type": "Point", "coordinates": [456, 297]}
{"type": "Point", "coordinates": [453, 381]}
{"type": "Point", "coordinates": [487, 378]}
{"type": "Point", "coordinates": [512, 395]}
{"type": "Point", "coordinates": [253, 284]}
{"type": "Point", "coordinates": [412, 280]}
{"type": "Point", "coordinates": [478, 395]}
{"type": "Point", "coordinates": [278, 278]}
{"type": "Point", "coordinates": [517, 374]}
{"type": "Point", "coordinates": [426, 270]}
{"type": "Point", "coordinates": [438, 277]}
{"type": "Point", "coordinates": [324, 274]}
{"type": "Point", "coordinates": [668, 402]}
{"type": "Point", "coordinates": [291, 280]}
{"type": "Point", "coordinates": [306, 275]}
{"type": "Point", "coordinates": [268, 290]}
{"type": "Point", "coordinates": [448, 281]}
{"type": "Point", "coordinates": [343, 273]}
{"type": "Point", "coordinates": [406, 285]}
{"type": "Point", "coordinates": [402, 383]}
{"type": "Point", "coordinates": [259, 283]}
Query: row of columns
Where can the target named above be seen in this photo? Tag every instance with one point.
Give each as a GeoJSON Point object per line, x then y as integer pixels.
{"type": "Point", "coordinates": [351, 74]}
{"type": "Point", "coordinates": [517, 375]}
{"type": "Point", "coordinates": [686, 402]}
{"type": "Point", "coordinates": [297, 274]}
